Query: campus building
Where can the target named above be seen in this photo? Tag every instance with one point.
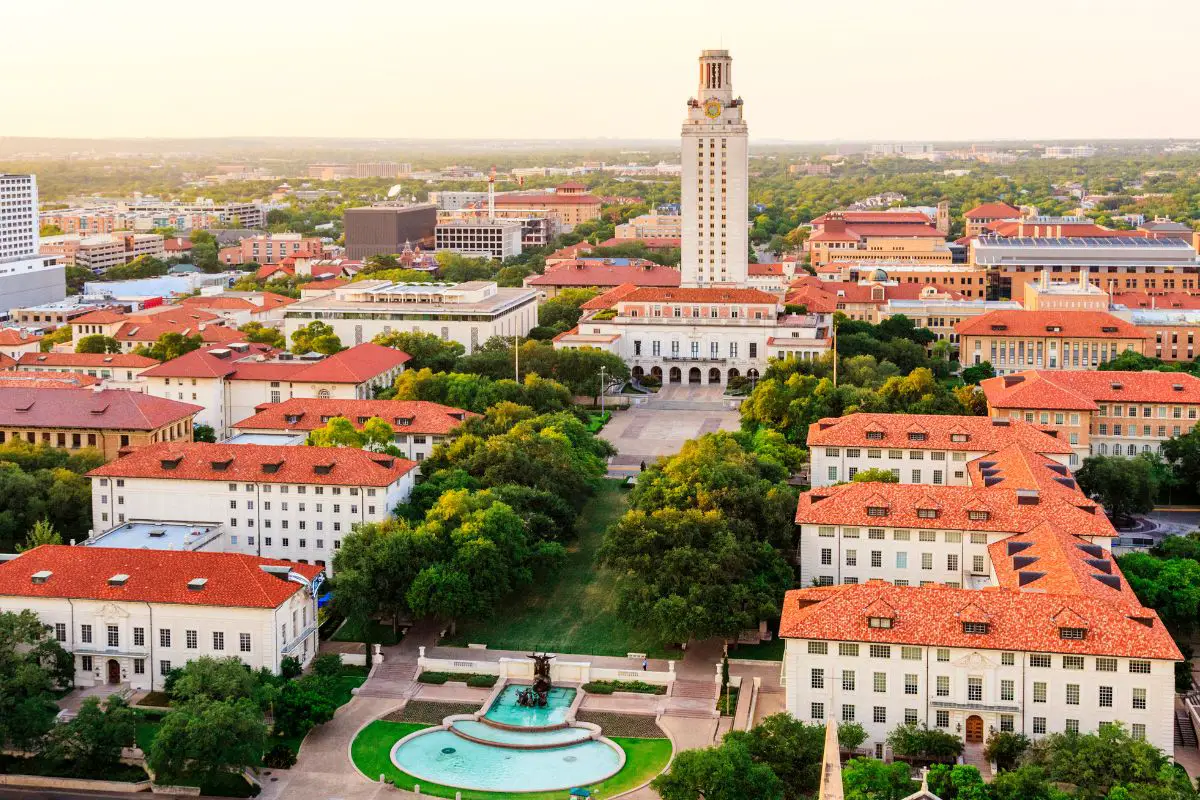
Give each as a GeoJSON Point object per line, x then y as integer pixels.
{"type": "Point", "coordinates": [1055, 340]}
{"type": "Point", "coordinates": [130, 616]}
{"type": "Point", "coordinates": [115, 370]}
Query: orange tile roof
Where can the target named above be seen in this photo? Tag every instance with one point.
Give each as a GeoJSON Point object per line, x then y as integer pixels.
{"type": "Point", "coordinates": [306, 414]}
{"type": "Point", "coordinates": [609, 298]}
{"type": "Point", "coordinates": [109, 409]}
{"type": "Point", "coordinates": [1082, 389]}
{"type": "Point", "coordinates": [96, 360]}
{"type": "Point", "coordinates": [1165, 302]}
{"type": "Point", "coordinates": [46, 380]}
{"type": "Point", "coordinates": [358, 364]}
{"type": "Point", "coordinates": [268, 270]}
{"type": "Point", "coordinates": [1032, 229]}
{"type": "Point", "coordinates": [196, 461]}
{"type": "Point", "coordinates": [10, 337]}
{"type": "Point", "coordinates": [155, 576]}
{"type": "Point", "coordinates": [713, 294]}
{"type": "Point", "coordinates": [589, 272]}
{"type": "Point", "coordinates": [766, 269]}
{"type": "Point", "coordinates": [101, 317]}
{"type": "Point", "coordinates": [651, 242]}
{"type": "Point", "coordinates": [992, 211]}
{"type": "Point", "coordinates": [939, 432]}
{"type": "Point", "coordinates": [327, 283]}
{"type": "Point", "coordinates": [872, 217]}
{"type": "Point", "coordinates": [1088, 324]}
{"type": "Point", "coordinates": [932, 616]}
{"type": "Point", "coordinates": [1046, 559]}
{"type": "Point", "coordinates": [547, 199]}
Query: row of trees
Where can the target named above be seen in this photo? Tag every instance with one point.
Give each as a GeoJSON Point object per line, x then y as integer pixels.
{"type": "Point", "coordinates": [42, 484]}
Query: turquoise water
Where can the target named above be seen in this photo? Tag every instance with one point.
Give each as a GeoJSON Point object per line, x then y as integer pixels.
{"type": "Point", "coordinates": [478, 766]}
{"type": "Point", "coordinates": [506, 711]}
{"type": "Point", "coordinates": [501, 736]}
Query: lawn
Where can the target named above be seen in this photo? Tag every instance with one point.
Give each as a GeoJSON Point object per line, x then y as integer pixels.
{"type": "Point", "coordinates": [372, 749]}
{"type": "Point", "coordinates": [763, 651]}
{"type": "Point", "coordinates": [352, 631]}
{"type": "Point", "coordinates": [574, 611]}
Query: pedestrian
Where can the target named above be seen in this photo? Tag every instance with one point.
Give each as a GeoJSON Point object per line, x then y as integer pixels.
{"type": "Point", "coordinates": [645, 664]}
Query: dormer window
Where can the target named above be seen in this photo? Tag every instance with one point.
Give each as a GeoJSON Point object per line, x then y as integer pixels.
{"type": "Point", "coordinates": [363, 420]}
{"type": "Point", "coordinates": [880, 622]}
{"type": "Point", "coordinates": [978, 516]}
{"type": "Point", "coordinates": [875, 435]}
{"type": "Point", "coordinates": [917, 437]}
{"type": "Point", "coordinates": [1072, 633]}
{"type": "Point", "coordinates": [292, 419]}
{"type": "Point", "coordinates": [959, 437]}
{"type": "Point", "coordinates": [975, 628]}
{"type": "Point", "coordinates": [877, 511]}
{"type": "Point", "coordinates": [927, 513]}
{"type": "Point", "coordinates": [404, 421]}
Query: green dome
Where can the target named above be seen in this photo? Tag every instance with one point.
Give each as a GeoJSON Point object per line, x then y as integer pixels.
{"type": "Point", "coordinates": [879, 275]}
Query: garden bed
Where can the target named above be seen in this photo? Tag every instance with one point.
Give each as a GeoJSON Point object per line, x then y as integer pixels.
{"type": "Point", "coordinates": [155, 700]}
{"type": "Point", "coordinates": [636, 726]}
{"type": "Point", "coordinates": [472, 679]}
{"type": "Point", "coordinates": [727, 702]}
{"type": "Point", "coordinates": [429, 713]}
{"type": "Point", "coordinates": [376, 631]}
{"type": "Point", "coordinates": [41, 767]}
{"type": "Point", "coordinates": [638, 687]}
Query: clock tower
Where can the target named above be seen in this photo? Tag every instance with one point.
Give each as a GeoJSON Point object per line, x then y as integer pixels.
{"type": "Point", "coordinates": [715, 179]}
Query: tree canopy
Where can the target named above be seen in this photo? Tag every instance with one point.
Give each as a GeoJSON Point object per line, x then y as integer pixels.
{"type": "Point", "coordinates": [316, 337]}
{"type": "Point", "coordinates": [427, 350]}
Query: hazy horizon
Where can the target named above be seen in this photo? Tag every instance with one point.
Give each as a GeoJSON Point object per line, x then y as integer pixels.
{"type": "Point", "coordinates": [928, 70]}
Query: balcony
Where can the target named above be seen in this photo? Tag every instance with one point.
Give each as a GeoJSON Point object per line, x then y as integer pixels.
{"type": "Point", "coordinates": [694, 359]}
{"type": "Point", "coordinates": [102, 651]}
{"type": "Point", "coordinates": [975, 706]}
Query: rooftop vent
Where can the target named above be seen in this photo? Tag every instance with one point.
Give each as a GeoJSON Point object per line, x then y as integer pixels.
{"type": "Point", "coordinates": [1025, 578]}
{"type": "Point", "coordinates": [1178, 387]}
{"type": "Point", "coordinates": [1020, 562]}
{"type": "Point", "coordinates": [1109, 328]}
{"type": "Point", "coordinates": [197, 584]}
{"type": "Point", "coordinates": [986, 464]}
{"type": "Point", "coordinates": [41, 576]}
{"type": "Point", "coordinates": [1112, 581]}
{"type": "Point", "coordinates": [1000, 423]}
{"type": "Point", "coordinates": [157, 533]}
{"type": "Point", "coordinates": [119, 579]}
{"type": "Point", "coordinates": [1147, 621]}
{"type": "Point", "coordinates": [1059, 468]}
{"type": "Point", "coordinates": [992, 481]}
{"type": "Point", "coordinates": [1027, 497]}
{"type": "Point", "coordinates": [100, 409]}
{"type": "Point", "coordinates": [25, 406]}
{"type": "Point", "coordinates": [999, 327]}
{"type": "Point", "coordinates": [1093, 550]}
{"type": "Point", "coordinates": [1016, 547]}
{"type": "Point", "coordinates": [1117, 386]}
{"type": "Point", "coordinates": [1012, 380]}
{"type": "Point", "coordinates": [1102, 564]}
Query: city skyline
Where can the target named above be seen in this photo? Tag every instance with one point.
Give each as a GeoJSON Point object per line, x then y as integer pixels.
{"type": "Point", "coordinates": [815, 73]}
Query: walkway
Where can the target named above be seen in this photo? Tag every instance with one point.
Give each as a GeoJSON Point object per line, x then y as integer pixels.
{"type": "Point", "coordinates": [664, 422]}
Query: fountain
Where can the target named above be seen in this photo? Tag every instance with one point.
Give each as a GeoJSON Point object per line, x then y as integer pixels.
{"type": "Point", "coordinates": [537, 695]}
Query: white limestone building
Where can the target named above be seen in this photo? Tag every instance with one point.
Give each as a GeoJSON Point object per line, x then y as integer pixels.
{"type": "Point", "coordinates": [129, 616]}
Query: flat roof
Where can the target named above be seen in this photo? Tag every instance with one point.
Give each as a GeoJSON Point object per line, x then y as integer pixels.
{"type": "Point", "coordinates": [151, 535]}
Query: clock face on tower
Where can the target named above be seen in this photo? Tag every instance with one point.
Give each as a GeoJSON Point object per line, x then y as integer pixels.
{"type": "Point", "coordinates": [713, 108]}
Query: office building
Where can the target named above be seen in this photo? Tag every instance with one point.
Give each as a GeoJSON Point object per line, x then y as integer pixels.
{"type": "Point", "coordinates": [27, 276]}
{"type": "Point", "coordinates": [480, 237]}
{"type": "Point", "coordinates": [384, 230]}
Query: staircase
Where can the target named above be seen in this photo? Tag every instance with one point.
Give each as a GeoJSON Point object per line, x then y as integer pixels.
{"type": "Point", "coordinates": [706, 690]}
{"type": "Point", "coordinates": [695, 699]}
{"type": "Point", "coordinates": [392, 679]}
{"type": "Point", "coordinates": [1185, 732]}
{"type": "Point", "coordinates": [973, 755]}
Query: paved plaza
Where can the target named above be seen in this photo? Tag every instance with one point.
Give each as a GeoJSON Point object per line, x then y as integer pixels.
{"type": "Point", "coordinates": [664, 421]}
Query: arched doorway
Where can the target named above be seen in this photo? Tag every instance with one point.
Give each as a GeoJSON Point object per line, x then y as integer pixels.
{"type": "Point", "coordinates": [637, 373]}
{"type": "Point", "coordinates": [114, 671]}
{"type": "Point", "coordinates": [714, 375]}
{"type": "Point", "coordinates": [694, 375]}
{"type": "Point", "coordinates": [974, 729]}
{"type": "Point", "coordinates": [676, 375]}
{"type": "Point", "coordinates": [733, 373]}
{"type": "Point", "coordinates": [656, 372]}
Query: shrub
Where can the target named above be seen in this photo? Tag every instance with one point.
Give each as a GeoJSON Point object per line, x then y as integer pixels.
{"type": "Point", "coordinates": [279, 757]}
{"type": "Point", "coordinates": [608, 687]}
{"type": "Point", "coordinates": [328, 665]}
{"type": "Point", "coordinates": [290, 667]}
{"type": "Point", "coordinates": [1006, 748]}
{"type": "Point", "coordinates": [925, 743]}
{"type": "Point", "coordinates": [482, 681]}
{"type": "Point", "coordinates": [469, 678]}
{"type": "Point", "coordinates": [437, 678]}
{"type": "Point", "coordinates": [650, 381]}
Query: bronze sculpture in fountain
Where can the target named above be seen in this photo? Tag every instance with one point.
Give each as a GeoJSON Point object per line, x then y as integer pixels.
{"type": "Point", "coordinates": [537, 694]}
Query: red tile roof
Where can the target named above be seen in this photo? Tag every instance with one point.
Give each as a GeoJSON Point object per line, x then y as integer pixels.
{"type": "Point", "coordinates": [358, 364]}
{"type": "Point", "coordinates": [824, 296]}
{"type": "Point", "coordinates": [46, 380]}
{"type": "Point", "coordinates": [1082, 390]}
{"type": "Point", "coordinates": [89, 360]}
{"type": "Point", "coordinates": [992, 211]}
{"type": "Point", "coordinates": [651, 242]}
{"type": "Point", "coordinates": [306, 414]}
{"type": "Point", "coordinates": [939, 432]}
{"type": "Point", "coordinates": [886, 230]}
{"type": "Point", "coordinates": [1087, 324]}
{"type": "Point", "coordinates": [872, 217]}
{"type": "Point", "coordinates": [261, 463]}
{"type": "Point", "coordinates": [109, 409]}
{"type": "Point", "coordinates": [1168, 301]}
{"type": "Point", "coordinates": [547, 199]}
{"type": "Point", "coordinates": [609, 298]}
{"type": "Point", "coordinates": [102, 317]}
{"type": "Point", "coordinates": [10, 337]}
{"type": "Point", "coordinates": [766, 269]}
{"type": "Point", "coordinates": [177, 245]}
{"type": "Point", "coordinates": [714, 294]}
{"type": "Point", "coordinates": [932, 616]}
{"type": "Point", "coordinates": [595, 273]}
{"type": "Point", "coordinates": [1028, 228]}
{"type": "Point", "coordinates": [1046, 559]}
{"type": "Point", "coordinates": [270, 300]}
{"type": "Point", "coordinates": [268, 270]}
{"type": "Point", "coordinates": [155, 576]}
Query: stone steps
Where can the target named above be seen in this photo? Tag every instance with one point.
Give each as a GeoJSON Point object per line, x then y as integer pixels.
{"type": "Point", "coordinates": [706, 690]}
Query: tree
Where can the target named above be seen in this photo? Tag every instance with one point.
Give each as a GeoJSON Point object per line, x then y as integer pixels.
{"type": "Point", "coordinates": [206, 679]}
{"type": "Point", "coordinates": [97, 343]}
{"type": "Point", "coordinates": [32, 666]}
{"type": "Point", "coordinates": [1124, 486]}
{"type": "Point", "coordinates": [875, 475]}
{"type": "Point", "coordinates": [316, 337]}
{"type": "Point", "coordinates": [1171, 587]}
{"type": "Point", "coordinates": [205, 255]}
{"type": "Point", "coordinates": [92, 740]}
{"type": "Point", "coordinates": [477, 393]}
{"type": "Point", "coordinates": [791, 748]}
{"type": "Point", "coordinates": [375, 434]}
{"type": "Point", "coordinates": [718, 773]}
{"type": "Point", "coordinates": [426, 349]}
{"type": "Point", "coordinates": [206, 739]}
{"type": "Point", "coordinates": [171, 345]}
{"type": "Point", "coordinates": [60, 335]}
{"type": "Point", "coordinates": [76, 278]}
{"type": "Point", "coordinates": [303, 704]}
{"type": "Point", "coordinates": [958, 782]}
{"type": "Point", "coordinates": [258, 333]}
{"type": "Point", "coordinates": [41, 533]}
{"type": "Point", "coordinates": [203, 433]}
{"type": "Point", "coordinates": [562, 312]}
{"type": "Point", "coordinates": [932, 744]}
{"type": "Point", "coordinates": [41, 482]}
{"type": "Point", "coordinates": [1101, 762]}
{"type": "Point", "coordinates": [868, 779]}
{"type": "Point", "coordinates": [978, 372]}
{"type": "Point", "coordinates": [1024, 783]}
{"type": "Point", "coordinates": [1182, 453]}
{"type": "Point", "coordinates": [1005, 748]}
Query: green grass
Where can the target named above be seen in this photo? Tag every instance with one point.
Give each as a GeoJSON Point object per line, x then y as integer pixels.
{"type": "Point", "coordinates": [574, 611]}
{"type": "Point", "coordinates": [371, 751]}
{"type": "Point", "coordinates": [727, 702]}
{"type": "Point", "coordinates": [763, 651]}
{"type": "Point", "coordinates": [597, 421]}
{"type": "Point", "coordinates": [158, 699]}
{"type": "Point", "coordinates": [381, 633]}
{"type": "Point", "coordinates": [147, 730]}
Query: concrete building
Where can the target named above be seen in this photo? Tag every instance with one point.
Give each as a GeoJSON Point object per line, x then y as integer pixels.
{"type": "Point", "coordinates": [568, 205]}
{"type": "Point", "coordinates": [469, 313]}
{"type": "Point", "coordinates": [130, 616]}
{"type": "Point", "coordinates": [1069, 151]}
{"type": "Point", "coordinates": [496, 239]}
{"type": "Point", "coordinates": [27, 276]}
{"type": "Point", "coordinates": [919, 448]}
{"type": "Point", "coordinates": [383, 230]}
{"type": "Point", "coordinates": [114, 370]}
{"type": "Point", "coordinates": [651, 226]}
{"type": "Point", "coordinates": [1099, 413]}
{"type": "Point", "coordinates": [448, 200]}
{"type": "Point", "coordinates": [1080, 295]}
{"type": "Point", "coordinates": [108, 420]}
{"type": "Point", "coordinates": [380, 169]}
{"type": "Point", "coordinates": [715, 179]}
{"type": "Point", "coordinates": [293, 503]}
{"type": "Point", "coordinates": [228, 214]}
{"type": "Point", "coordinates": [1057, 340]}
{"type": "Point", "coordinates": [419, 426]}
{"type": "Point", "coordinates": [968, 281]}
{"type": "Point", "coordinates": [99, 253]}
{"type": "Point", "coordinates": [231, 382]}
{"type": "Point", "coordinates": [941, 314]}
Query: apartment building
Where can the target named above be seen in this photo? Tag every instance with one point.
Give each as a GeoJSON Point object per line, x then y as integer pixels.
{"type": "Point", "coordinates": [418, 425]}
{"type": "Point", "coordinates": [99, 253]}
{"type": "Point", "coordinates": [469, 313]}
{"type": "Point", "coordinates": [1099, 413]}
{"type": "Point", "coordinates": [27, 276]}
{"type": "Point", "coordinates": [652, 225]}
{"type": "Point", "coordinates": [115, 370]}
{"type": "Point", "coordinates": [231, 382]}
{"type": "Point", "coordinates": [293, 503]}
{"type": "Point", "coordinates": [231, 214]}
{"type": "Point", "coordinates": [1057, 340]}
{"type": "Point", "coordinates": [271, 248]}
{"type": "Point", "coordinates": [919, 448]}
{"type": "Point", "coordinates": [108, 420]}
{"type": "Point", "coordinates": [480, 238]}
{"type": "Point", "coordinates": [130, 616]}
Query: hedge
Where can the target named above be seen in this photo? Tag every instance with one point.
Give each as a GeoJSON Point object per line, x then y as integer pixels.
{"type": "Point", "coordinates": [470, 678]}
{"type": "Point", "coordinates": [608, 687]}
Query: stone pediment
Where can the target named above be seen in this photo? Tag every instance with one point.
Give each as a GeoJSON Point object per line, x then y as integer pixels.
{"type": "Point", "coordinates": [976, 661]}
{"type": "Point", "coordinates": [112, 611]}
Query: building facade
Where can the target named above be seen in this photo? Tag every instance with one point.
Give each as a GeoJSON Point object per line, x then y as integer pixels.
{"type": "Point", "coordinates": [27, 276]}
{"type": "Point", "coordinates": [383, 230]}
{"type": "Point", "coordinates": [496, 239]}
{"type": "Point", "coordinates": [1056, 340]}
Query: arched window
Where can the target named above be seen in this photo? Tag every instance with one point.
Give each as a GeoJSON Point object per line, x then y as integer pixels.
{"type": "Point", "coordinates": [323, 394]}
{"type": "Point", "coordinates": [1131, 450]}
{"type": "Point", "coordinates": [1103, 449]}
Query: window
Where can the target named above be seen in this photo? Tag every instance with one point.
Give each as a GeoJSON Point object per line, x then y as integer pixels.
{"type": "Point", "coordinates": [879, 714]}
{"type": "Point", "coordinates": [881, 651]}
{"type": "Point", "coordinates": [1072, 725]}
{"type": "Point", "coordinates": [818, 711]}
{"type": "Point", "coordinates": [1106, 697]}
{"type": "Point", "coordinates": [1106, 665]}
{"type": "Point", "coordinates": [851, 558]}
{"type": "Point", "coordinates": [1072, 694]}
{"type": "Point", "coordinates": [847, 713]}
{"type": "Point", "coordinates": [848, 680]}
{"type": "Point", "coordinates": [879, 682]}
{"type": "Point", "coordinates": [951, 562]}
{"type": "Point", "coordinates": [1139, 699]}
{"type": "Point", "coordinates": [910, 653]}
{"type": "Point", "coordinates": [1039, 724]}
{"type": "Point", "coordinates": [879, 622]}
{"type": "Point", "coordinates": [1039, 691]}
{"type": "Point", "coordinates": [847, 650]}
{"type": "Point", "coordinates": [85, 663]}
{"type": "Point", "coordinates": [1008, 659]}
{"type": "Point", "coordinates": [817, 679]}
{"type": "Point", "coordinates": [1072, 633]}
{"type": "Point", "coordinates": [114, 636]}
{"type": "Point", "coordinates": [191, 640]}
{"type": "Point", "coordinates": [1138, 731]}
{"type": "Point", "coordinates": [85, 634]}
{"type": "Point", "coordinates": [826, 556]}
{"type": "Point", "coordinates": [164, 637]}
{"type": "Point", "coordinates": [943, 686]}
{"type": "Point", "coordinates": [910, 716]}
{"type": "Point", "coordinates": [164, 667]}
{"type": "Point", "coordinates": [975, 689]}
{"type": "Point", "coordinates": [1140, 667]}
{"type": "Point", "coordinates": [818, 648]}
{"type": "Point", "coordinates": [1007, 690]}
{"type": "Point", "coordinates": [60, 631]}
{"type": "Point", "coordinates": [978, 567]}
{"type": "Point", "coordinates": [910, 683]}
{"type": "Point", "coordinates": [139, 666]}
{"type": "Point", "coordinates": [1039, 660]}
{"type": "Point", "coordinates": [975, 627]}
{"type": "Point", "coordinates": [243, 642]}
{"type": "Point", "coordinates": [218, 640]}
{"type": "Point", "coordinates": [943, 654]}
{"type": "Point", "coordinates": [1072, 662]}
{"type": "Point", "coordinates": [876, 558]}
{"type": "Point", "coordinates": [942, 719]}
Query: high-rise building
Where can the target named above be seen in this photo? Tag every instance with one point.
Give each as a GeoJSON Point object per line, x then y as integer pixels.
{"type": "Point", "coordinates": [715, 179]}
{"type": "Point", "coordinates": [26, 278]}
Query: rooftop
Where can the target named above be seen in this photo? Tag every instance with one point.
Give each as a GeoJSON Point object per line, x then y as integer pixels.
{"type": "Point", "coordinates": [931, 432]}
{"type": "Point", "coordinates": [1082, 390]}
{"type": "Point", "coordinates": [87, 360]}
{"type": "Point", "coordinates": [158, 536]}
{"type": "Point", "coordinates": [992, 211]}
{"type": "Point", "coordinates": [358, 364]}
{"type": "Point", "coordinates": [87, 409]}
{"type": "Point", "coordinates": [594, 272]}
{"type": "Point", "coordinates": [306, 414]}
{"type": "Point", "coordinates": [1056, 324]}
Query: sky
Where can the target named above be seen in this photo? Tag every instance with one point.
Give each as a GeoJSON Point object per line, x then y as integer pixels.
{"type": "Point", "coordinates": [878, 70]}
